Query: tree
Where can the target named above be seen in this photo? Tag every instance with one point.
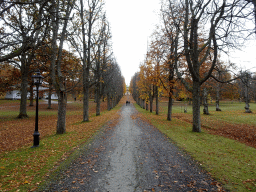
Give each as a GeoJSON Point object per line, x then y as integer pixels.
{"type": "Point", "coordinates": [9, 78]}
{"type": "Point", "coordinates": [246, 79]}
{"type": "Point", "coordinates": [23, 23]}
{"type": "Point", "coordinates": [89, 13]}
{"type": "Point", "coordinates": [26, 27]}
{"type": "Point", "coordinates": [201, 46]}
{"type": "Point", "coordinates": [171, 33]}
{"type": "Point", "coordinates": [114, 83]}
{"type": "Point", "coordinates": [101, 61]}
{"type": "Point", "coordinates": [254, 10]}
{"type": "Point", "coordinates": [59, 10]}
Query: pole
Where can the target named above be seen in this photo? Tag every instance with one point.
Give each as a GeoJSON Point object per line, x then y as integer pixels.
{"type": "Point", "coordinates": [36, 133]}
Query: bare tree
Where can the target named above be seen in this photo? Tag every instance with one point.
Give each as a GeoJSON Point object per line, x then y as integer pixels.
{"type": "Point", "coordinates": [254, 10]}
{"type": "Point", "coordinates": [57, 76]}
{"type": "Point", "coordinates": [202, 46]}
{"type": "Point", "coordinates": [89, 12]}
{"type": "Point", "coordinates": [101, 62]}
{"type": "Point", "coordinates": [172, 27]}
{"type": "Point", "coordinates": [23, 25]}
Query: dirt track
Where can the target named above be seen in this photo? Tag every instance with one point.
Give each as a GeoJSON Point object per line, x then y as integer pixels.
{"type": "Point", "coordinates": [133, 156]}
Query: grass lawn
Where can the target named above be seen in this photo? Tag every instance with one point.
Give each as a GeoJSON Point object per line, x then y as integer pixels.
{"type": "Point", "coordinates": [23, 168]}
{"type": "Point", "coordinates": [229, 161]}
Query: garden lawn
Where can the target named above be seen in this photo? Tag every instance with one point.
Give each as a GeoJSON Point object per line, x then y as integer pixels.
{"type": "Point", "coordinates": [231, 162]}
{"type": "Point", "coordinates": [24, 168]}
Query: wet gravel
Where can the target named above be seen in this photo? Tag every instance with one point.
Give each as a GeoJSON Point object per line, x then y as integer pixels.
{"type": "Point", "coordinates": [132, 156]}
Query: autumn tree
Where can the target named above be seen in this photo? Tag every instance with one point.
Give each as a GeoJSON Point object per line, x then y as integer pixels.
{"type": "Point", "coordinates": [134, 88]}
{"type": "Point", "coordinates": [25, 27]}
{"type": "Point", "coordinates": [201, 46]}
{"type": "Point", "coordinates": [9, 78]}
{"type": "Point", "coordinates": [145, 84]}
{"type": "Point", "coordinates": [156, 54]}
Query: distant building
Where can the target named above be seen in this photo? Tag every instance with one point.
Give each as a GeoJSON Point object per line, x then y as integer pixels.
{"type": "Point", "coordinates": [43, 93]}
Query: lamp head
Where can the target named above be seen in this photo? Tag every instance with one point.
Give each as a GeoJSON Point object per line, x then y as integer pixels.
{"type": "Point", "coordinates": [37, 78]}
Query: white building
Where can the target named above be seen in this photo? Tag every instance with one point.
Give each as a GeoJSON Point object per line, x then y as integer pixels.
{"type": "Point", "coordinates": [15, 94]}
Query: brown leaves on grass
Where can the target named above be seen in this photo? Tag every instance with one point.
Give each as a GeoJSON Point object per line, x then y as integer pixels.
{"type": "Point", "coordinates": [249, 183]}
{"type": "Point", "coordinates": [243, 133]}
{"type": "Point", "coordinates": [38, 163]}
{"type": "Point", "coordinates": [16, 133]}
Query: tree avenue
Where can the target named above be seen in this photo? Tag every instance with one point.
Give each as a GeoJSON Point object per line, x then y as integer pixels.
{"type": "Point", "coordinates": [183, 59]}
{"type": "Point", "coordinates": [190, 39]}
{"type": "Point", "coordinates": [69, 41]}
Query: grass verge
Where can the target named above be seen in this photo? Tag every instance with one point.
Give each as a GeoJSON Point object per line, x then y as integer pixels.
{"type": "Point", "coordinates": [27, 168]}
{"type": "Point", "coordinates": [230, 162]}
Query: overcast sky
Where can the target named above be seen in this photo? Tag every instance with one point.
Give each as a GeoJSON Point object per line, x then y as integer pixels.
{"type": "Point", "coordinates": [133, 21]}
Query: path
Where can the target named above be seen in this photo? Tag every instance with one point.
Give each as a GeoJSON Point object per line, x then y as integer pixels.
{"type": "Point", "coordinates": [133, 156]}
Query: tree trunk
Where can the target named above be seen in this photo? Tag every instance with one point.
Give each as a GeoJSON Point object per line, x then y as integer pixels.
{"type": "Point", "coordinates": [157, 101]}
{"type": "Point", "coordinates": [23, 90]}
{"type": "Point", "coordinates": [206, 111]}
{"type": "Point", "coordinates": [111, 103]}
{"type": "Point", "coordinates": [247, 106]}
{"type": "Point", "coordinates": [218, 98]}
{"type": "Point", "coordinates": [169, 114]}
{"type": "Point", "coordinates": [87, 72]}
{"type": "Point", "coordinates": [62, 105]}
{"type": "Point", "coordinates": [98, 85]}
{"type": "Point", "coordinates": [171, 77]}
{"type": "Point", "coordinates": [50, 97]}
{"type": "Point", "coordinates": [196, 107]}
{"type": "Point", "coordinates": [86, 102]}
{"type": "Point", "coordinates": [31, 95]}
{"type": "Point", "coordinates": [150, 102]}
{"type": "Point", "coordinates": [97, 101]}
{"type": "Point", "coordinates": [108, 102]}
{"type": "Point", "coordinates": [147, 105]}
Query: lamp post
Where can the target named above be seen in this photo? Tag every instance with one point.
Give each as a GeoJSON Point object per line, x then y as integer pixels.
{"type": "Point", "coordinates": [37, 78]}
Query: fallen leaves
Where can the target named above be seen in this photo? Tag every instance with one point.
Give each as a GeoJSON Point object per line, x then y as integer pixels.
{"type": "Point", "coordinates": [245, 134]}
{"type": "Point", "coordinates": [249, 183]}
{"type": "Point", "coordinates": [11, 137]}
{"type": "Point", "coordinates": [15, 166]}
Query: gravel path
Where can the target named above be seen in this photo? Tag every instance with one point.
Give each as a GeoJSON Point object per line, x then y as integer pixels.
{"type": "Point", "coordinates": [133, 156]}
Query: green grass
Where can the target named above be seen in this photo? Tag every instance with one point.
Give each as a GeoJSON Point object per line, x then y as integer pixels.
{"type": "Point", "coordinates": [230, 162]}
{"type": "Point", "coordinates": [231, 112]}
{"type": "Point", "coordinates": [4, 101]}
{"type": "Point", "coordinates": [23, 163]}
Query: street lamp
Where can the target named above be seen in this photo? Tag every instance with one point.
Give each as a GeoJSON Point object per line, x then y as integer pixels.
{"type": "Point", "coordinates": [38, 79]}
